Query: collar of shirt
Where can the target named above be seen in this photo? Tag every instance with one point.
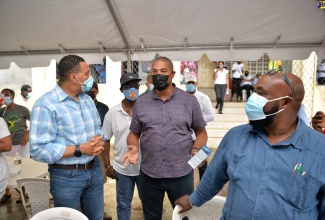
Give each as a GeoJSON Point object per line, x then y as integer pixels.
{"type": "Point", "coordinates": [154, 95]}
{"type": "Point", "coordinates": [62, 95]}
{"type": "Point", "coordinates": [292, 140]}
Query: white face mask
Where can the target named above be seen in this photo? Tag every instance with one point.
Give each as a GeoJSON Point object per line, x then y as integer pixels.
{"type": "Point", "coordinates": [255, 105]}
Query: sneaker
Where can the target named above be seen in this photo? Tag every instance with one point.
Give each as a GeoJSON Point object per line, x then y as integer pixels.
{"type": "Point", "coordinates": [217, 105]}
{"type": "Point", "coordinates": [220, 112]}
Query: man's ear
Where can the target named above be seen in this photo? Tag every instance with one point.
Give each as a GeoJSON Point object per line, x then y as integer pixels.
{"type": "Point", "coordinates": [96, 92]}
{"type": "Point", "coordinates": [287, 102]}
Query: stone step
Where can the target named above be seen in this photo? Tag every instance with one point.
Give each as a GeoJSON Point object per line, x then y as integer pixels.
{"type": "Point", "coordinates": [231, 117]}
{"type": "Point", "coordinates": [214, 133]}
{"type": "Point", "coordinates": [213, 143]}
{"type": "Point", "coordinates": [223, 125]}
{"type": "Point", "coordinates": [231, 104]}
{"type": "Point", "coordinates": [233, 111]}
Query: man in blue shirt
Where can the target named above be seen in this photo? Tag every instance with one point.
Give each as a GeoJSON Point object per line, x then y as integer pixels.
{"type": "Point", "coordinates": [66, 133]}
{"type": "Point", "coordinates": [274, 165]}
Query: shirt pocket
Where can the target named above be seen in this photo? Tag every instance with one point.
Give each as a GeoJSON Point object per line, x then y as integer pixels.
{"type": "Point", "coordinates": [303, 192]}
{"type": "Point", "coordinates": [236, 168]}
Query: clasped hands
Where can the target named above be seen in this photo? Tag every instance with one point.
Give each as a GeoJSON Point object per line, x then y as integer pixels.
{"type": "Point", "coordinates": [93, 147]}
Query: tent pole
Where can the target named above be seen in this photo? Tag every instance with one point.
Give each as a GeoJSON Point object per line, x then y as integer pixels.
{"type": "Point", "coordinates": [128, 68]}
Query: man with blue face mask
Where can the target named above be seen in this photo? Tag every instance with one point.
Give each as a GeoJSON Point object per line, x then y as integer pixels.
{"type": "Point", "coordinates": [66, 133]}
{"type": "Point", "coordinates": [25, 94]}
{"type": "Point", "coordinates": [206, 108]}
{"type": "Point", "coordinates": [274, 164]}
{"type": "Point", "coordinates": [116, 123]}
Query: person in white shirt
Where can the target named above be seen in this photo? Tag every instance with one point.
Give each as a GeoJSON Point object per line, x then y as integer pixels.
{"type": "Point", "coordinates": [25, 94]}
{"type": "Point", "coordinates": [5, 145]}
{"type": "Point", "coordinates": [206, 108]}
{"type": "Point", "coordinates": [237, 69]}
{"type": "Point", "coordinates": [258, 75]}
{"type": "Point", "coordinates": [246, 84]}
{"type": "Point", "coordinates": [116, 123]}
{"type": "Point", "coordinates": [221, 84]}
{"type": "Point", "coordinates": [320, 73]}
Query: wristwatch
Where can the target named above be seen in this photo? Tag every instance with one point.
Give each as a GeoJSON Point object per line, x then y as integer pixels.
{"type": "Point", "coordinates": [77, 152]}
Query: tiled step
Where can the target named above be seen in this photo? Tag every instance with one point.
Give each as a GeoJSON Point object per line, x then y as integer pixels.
{"type": "Point", "coordinates": [213, 143]}
{"type": "Point", "coordinates": [231, 117]}
{"type": "Point", "coordinates": [223, 125]}
{"type": "Point", "coordinates": [213, 133]}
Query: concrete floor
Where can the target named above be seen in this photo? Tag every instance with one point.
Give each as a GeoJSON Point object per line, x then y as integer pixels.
{"type": "Point", "coordinates": [12, 211]}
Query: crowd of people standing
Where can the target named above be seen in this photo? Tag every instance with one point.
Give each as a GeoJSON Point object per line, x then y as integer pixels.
{"type": "Point", "coordinates": [157, 133]}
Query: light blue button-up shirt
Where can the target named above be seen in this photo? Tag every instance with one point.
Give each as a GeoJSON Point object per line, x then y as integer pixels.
{"type": "Point", "coordinates": [261, 180]}
{"type": "Point", "coordinates": [57, 121]}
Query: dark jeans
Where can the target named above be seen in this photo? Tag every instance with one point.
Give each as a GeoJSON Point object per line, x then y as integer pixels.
{"type": "Point", "coordinates": [153, 192]}
{"type": "Point", "coordinates": [203, 169]}
{"type": "Point", "coordinates": [248, 89]}
{"type": "Point", "coordinates": [321, 81]}
{"type": "Point", "coordinates": [220, 90]}
{"type": "Point", "coordinates": [235, 86]}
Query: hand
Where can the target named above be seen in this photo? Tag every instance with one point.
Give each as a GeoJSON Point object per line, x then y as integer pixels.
{"type": "Point", "coordinates": [24, 140]}
{"type": "Point", "coordinates": [184, 202]}
{"type": "Point", "coordinates": [93, 147]}
{"type": "Point", "coordinates": [110, 173]}
{"type": "Point", "coordinates": [316, 120]}
{"type": "Point", "coordinates": [131, 156]}
{"type": "Point", "coordinates": [202, 163]}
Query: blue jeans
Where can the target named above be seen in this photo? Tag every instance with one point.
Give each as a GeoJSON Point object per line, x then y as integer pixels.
{"type": "Point", "coordinates": [153, 192]}
{"type": "Point", "coordinates": [124, 194]}
{"type": "Point", "coordinates": [71, 187]}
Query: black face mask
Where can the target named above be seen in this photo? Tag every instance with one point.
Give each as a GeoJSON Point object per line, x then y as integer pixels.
{"type": "Point", "coordinates": [246, 74]}
{"type": "Point", "coordinates": [91, 94]}
{"type": "Point", "coordinates": [160, 82]}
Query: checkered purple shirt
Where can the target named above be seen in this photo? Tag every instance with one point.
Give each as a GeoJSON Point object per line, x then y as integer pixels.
{"type": "Point", "coordinates": [165, 128]}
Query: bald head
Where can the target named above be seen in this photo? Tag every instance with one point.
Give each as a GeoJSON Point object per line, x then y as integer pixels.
{"type": "Point", "coordinates": [275, 86]}
{"type": "Point", "coordinates": [168, 61]}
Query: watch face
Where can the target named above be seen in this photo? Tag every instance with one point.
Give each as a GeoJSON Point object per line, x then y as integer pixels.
{"type": "Point", "coordinates": [77, 153]}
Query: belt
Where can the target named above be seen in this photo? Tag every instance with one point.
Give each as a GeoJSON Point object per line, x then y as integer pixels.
{"type": "Point", "coordinates": [86, 166]}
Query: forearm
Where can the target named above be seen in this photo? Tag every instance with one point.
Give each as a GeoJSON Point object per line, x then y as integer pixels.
{"type": "Point", "coordinates": [5, 144]}
{"type": "Point", "coordinates": [133, 139]}
{"type": "Point", "coordinates": [105, 153]}
{"type": "Point", "coordinates": [201, 138]}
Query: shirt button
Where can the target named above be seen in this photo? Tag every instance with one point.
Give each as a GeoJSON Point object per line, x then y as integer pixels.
{"type": "Point", "coordinates": [261, 193]}
{"type": "Point", "coordinates": [164, 148]}
{"type": "Point", "coordinates": [163, 160]}
{"type": "Point", "coordinates": [267, 170]}
{"type": "Point", "coordinates": [164, 124]}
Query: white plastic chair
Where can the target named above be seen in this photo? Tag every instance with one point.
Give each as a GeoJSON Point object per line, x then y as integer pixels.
{"type": "Point", "coordinates": [59, 213]}
{"type": "Point", "coordinates": [38, 190]}
{"type": "Point", "coordinates": [210, 210]}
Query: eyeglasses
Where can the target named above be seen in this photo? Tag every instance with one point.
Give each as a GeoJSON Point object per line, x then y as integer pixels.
{"type": "Point", "coordinates": [274, 71]}
{"type": "Point", "coordinates": [129, 86]}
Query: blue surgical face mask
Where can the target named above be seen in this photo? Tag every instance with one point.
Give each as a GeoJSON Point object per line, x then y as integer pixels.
{"type": "Point", "coordinates": [151, 86]}
{"type": "Point", "coordinates": [7, 100]}
{"type": "Point", "coordinates": [131, 94]}
{"type": "Point", "coordinates": [190, 87]}
{"type": "Point", "coordinates": [29, 95]}
{"type": "Point", "coordinates": [255, 105]}
{"type": "Point", "coordinates": [87, 85]}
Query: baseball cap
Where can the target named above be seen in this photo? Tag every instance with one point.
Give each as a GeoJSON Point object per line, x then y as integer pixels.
{"type": "Point", "coordinates": [127, 77]}
{"type": "Point", "coordinates": [190, 78]}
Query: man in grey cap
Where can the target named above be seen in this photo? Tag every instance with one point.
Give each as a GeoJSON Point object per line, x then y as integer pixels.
{"type": "Point", "coordinates": [116, 123]}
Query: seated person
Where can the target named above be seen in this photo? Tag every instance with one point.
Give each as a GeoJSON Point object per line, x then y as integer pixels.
{"type": "Point", "coordinates": [258, 75]}
{"type": "Point", "coordinates": [246, 84]}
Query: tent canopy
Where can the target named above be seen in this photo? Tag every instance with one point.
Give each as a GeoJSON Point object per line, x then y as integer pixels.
{"type": "Point", "coordinates": [35, 31]}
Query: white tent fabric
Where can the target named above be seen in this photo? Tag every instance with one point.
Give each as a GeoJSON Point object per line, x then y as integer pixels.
{"type": "Point", "coordinates": [32, 31]}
